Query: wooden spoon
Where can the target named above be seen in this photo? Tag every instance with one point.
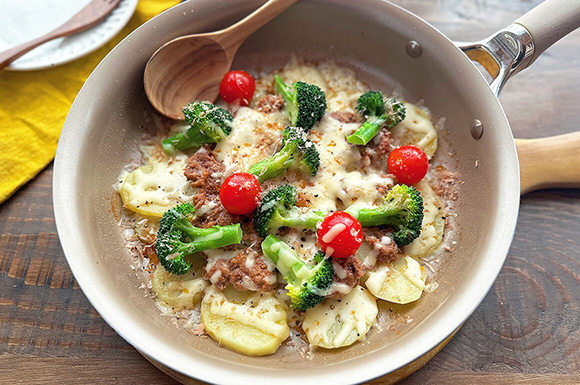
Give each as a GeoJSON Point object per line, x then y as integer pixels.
{"type": "Point", "coordinates": [92, 14]}
{"type": "Point", "coordinates": [191, 67]}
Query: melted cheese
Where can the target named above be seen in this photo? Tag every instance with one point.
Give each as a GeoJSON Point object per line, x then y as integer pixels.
{"type": "Point", "coordinates": [433, 224]}
{"type": "Point", "coordinates": [157, 187]}
{"type": "Point", "coordinates": [334, 324]}
{"type": "Point", "coordinates": [341, 177]}
{"type": "Point", "coordinates": [240, 149]}
{"type": "Point", "coordinates": [400, 282]}
{"type": "Point", "coordinates": [416, 129]}
{"type": "Point", "coordinates": [264, 312]}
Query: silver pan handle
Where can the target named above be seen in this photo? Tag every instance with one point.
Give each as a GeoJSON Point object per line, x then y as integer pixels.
{"type": "Point", "coordinates": [515, 47]}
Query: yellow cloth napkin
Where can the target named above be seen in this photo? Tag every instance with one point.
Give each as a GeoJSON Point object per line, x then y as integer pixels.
{"type": "Point", "coordinates": [34, 105]}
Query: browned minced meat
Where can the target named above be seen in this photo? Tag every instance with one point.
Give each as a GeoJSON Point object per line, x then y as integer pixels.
{"type": "Point", "coordinates": [270, 103]}
{"type": "Point", "coordinates": [258, 273]}
{"type": "Point", "coordinates": [373, 236]}
{"type": "Point", "coordinates": [446, 186]}
{"type": "Point", "coordinates": [251, 238]}
{"type": "Point", "coordinates": [201, 170]}
{"type": "Point", "coordinates": [383, 189]}
{"type": "Point", "coordinates": [204, 171]}
{"type": "Point", "coordinates": [218, 216]}
{"type": "Point", "coordinates": [345, 116]}
{"type": "Point", "coordinates": [234, 270]}
{"type": "Point", "coordinates": [376, 154]}
{"type": "Point", "coordinates": [223, 266]}
{"type": "Point", "coordinates": [354, 270]}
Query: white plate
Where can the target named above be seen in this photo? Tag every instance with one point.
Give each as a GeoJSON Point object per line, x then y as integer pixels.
{"type": "Point", "coordinates": [24, 20]}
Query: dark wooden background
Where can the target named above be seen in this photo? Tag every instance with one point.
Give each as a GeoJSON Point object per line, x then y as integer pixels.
{"type": "Point", "coordinates": [527, 330]}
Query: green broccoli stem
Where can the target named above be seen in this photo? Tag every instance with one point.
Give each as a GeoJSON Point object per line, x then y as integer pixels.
{"type": "Point", "coordinates": [184, 140]}
{"type": "Point", "coordinates": [377, 216]}
{"type": "Point", "coordinates": [368, 130]}
{"type": "Point", "coordinates": [285, 259]}
{"type": "Point", "coordinates": [211, 238]}
{"type": "Point", "coordinates": [307, 220]}
{"type": "Point", "coordinates": [274, 166]}
{"type": "Point", "coordinates": [289, 95]}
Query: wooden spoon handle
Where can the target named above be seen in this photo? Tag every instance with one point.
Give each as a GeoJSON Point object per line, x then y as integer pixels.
{"type": "Point", "coordinates": [549, 162]}
{"type": "Point", "coordinates": [92, 14]}
{"type": "Point", "coordinates": [8, 56]}
{"type": "Point", "coordinates": [232, 37]}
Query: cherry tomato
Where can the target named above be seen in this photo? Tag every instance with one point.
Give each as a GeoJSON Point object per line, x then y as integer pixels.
{"type": "Point", "coordinates": [240, 193]}
{"type": "Point", "coordinates": [237, 87]}
{"type": "Point", "coordinates": [408, 163]}
{"type": "Point", "coordinates": [340, 235]}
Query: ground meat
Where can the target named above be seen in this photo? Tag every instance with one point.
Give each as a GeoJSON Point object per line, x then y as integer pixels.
{"type": "Point", "coordinates": [270, 103]}
{"type": "Point", "coordinates": [345, 116]}
{"type": "Point", "coordinates": [205, 171]}
{"type": "Point", "coordinates": [388, 251]}
{"type": "Point", "coordinates": [383, 189]}
{"type": "Point", "coordinates": [376, 152]}
{"type": "Point", "coordinates": [446, 185]}
{"type": "Point", "coordinates": [220, 272]}
{"type": "Point", "coordinates": [251, 237]}
{"type": "Point", "coordinates": [256, 277]}
{"type": "Point", "coordinates": [347, 271]}
{"type": "Point", "coordinates": [217, 216]}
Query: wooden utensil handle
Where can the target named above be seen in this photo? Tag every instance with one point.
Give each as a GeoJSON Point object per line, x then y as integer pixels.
{"type": "Point", "coordinates": [252, 22]}
{"type": "Point", "coordinates": [549, 162]}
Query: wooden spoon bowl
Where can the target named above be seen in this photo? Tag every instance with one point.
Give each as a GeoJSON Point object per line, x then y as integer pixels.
{"type": "Point", "coordinates": [191, 67]}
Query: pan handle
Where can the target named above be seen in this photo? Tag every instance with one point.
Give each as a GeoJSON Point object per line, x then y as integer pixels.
{"type": "Point", "coordinates": [549, 162]}
{"type": "Point", "coordinates": [515, 47]}
{"type": "Point", "coordinates": [549, 22]}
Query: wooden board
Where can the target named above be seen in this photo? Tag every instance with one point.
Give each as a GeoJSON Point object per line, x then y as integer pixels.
{"type": "Point", "coordinates": [527, 330]}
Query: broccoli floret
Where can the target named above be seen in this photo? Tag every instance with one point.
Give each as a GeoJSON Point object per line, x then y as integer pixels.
{"type": "Point", "coordinates": [378, 112]}
{"type": "Point", "coordinates": [307, 285]}
{"type": "Point", "coordinates": [278, 209]}
{"type": "Point", "coordinates": [177, 238]}
{"type": "Point", "coordinates": [209, 124]}
{"type": "Point", "coordinates": [402, 209]}
{"type": "Point", "coordinates": [297, 152]}
{"type": "Point", "coordinates": [305, 103]}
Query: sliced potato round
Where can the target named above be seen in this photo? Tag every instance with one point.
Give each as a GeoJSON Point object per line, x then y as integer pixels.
{"type": "Point", "coordinates": [433, 223]}
{"type": "Point", "coordinates": [155, 188]}
{"type": "Point", "coordinates": [180, 291]}
{"type": "Point", "coordinates": [400, 282]}
{"type": "Point", "coordinates": [251, 323]}
{"type": "Point", "coordinates": [335, 324]}
{"type": "Point", "coordinates": [417, 130]}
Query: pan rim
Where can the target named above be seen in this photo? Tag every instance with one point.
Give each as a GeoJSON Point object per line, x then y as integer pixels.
{"type": "Point", "coordinates": [212, 368]}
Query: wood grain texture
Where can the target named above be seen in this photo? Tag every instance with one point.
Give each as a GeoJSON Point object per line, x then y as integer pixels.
{"type": "Point", "coordinates": [92, 14]}
{"type": "Point", "coordinates": [526, 331]}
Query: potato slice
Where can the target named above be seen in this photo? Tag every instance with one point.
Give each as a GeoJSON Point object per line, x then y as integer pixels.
{"type": "Point", "coordinates": [417, 130]}
{"type": "Point", "coordinates": [433, 223]}
{"type": "Point", "coordinates": [155, 188]}
{"type": "Point", "coordinates": [400, 282]}
{"type": "Point", "coordinates": [335, 324]}
{"type": "Point", "coordinates": [251, 323]}
{"type": "Point", "coordinates": [180, 291]}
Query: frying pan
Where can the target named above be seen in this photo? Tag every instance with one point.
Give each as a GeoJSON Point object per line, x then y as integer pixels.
{"type": "Point", "coordinates": [387, 46]}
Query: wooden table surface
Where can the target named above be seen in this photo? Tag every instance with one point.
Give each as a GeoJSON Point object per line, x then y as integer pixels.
{"type": "Point", "coordinates": [527, 330]}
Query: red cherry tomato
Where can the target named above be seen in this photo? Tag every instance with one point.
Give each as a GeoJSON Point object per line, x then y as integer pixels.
{"type": "Point", "coordinates": [240, 193]}
{"type": "Point", "coordinates": [340, 235]}
{"type": "Point", "coordinates": [237, 87]}
{"type": "Point", "coordinates": [408, 163]}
